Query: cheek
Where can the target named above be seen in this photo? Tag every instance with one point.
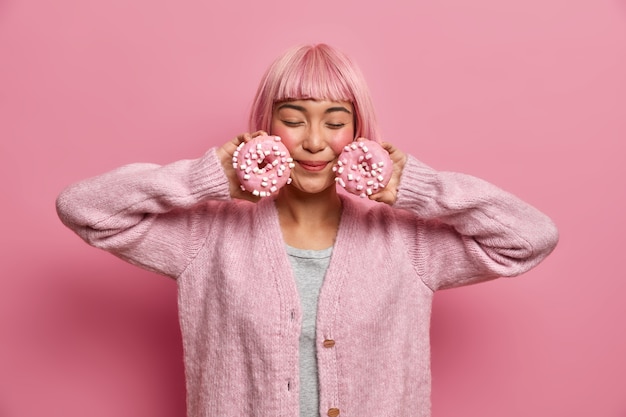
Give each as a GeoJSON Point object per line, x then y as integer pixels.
{"type": "Point", "coordinates": [342, 139]}
{"type": "Point", "coordinates": [286, 136]}
{"type": "Point", "coordinates": [278, 129]}
{"type": "Point", "coordinates": [274, 128]}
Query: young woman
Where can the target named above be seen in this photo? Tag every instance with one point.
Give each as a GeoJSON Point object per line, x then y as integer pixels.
{"type": "Point", "coordinates": [313, 302]}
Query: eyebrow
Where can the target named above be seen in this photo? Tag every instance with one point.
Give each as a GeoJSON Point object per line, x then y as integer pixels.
{"type": "Point", "coordinates": [302, 109]}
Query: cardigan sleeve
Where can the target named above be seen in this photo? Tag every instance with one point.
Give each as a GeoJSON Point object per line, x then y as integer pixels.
{"type": "Point", "coordinates": [470, 230]}
{"type": "Point", "coordinates": [147, 214]}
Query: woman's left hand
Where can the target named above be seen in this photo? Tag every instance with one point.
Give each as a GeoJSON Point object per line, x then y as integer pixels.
{"type": "Point", "coordinates": [389, 194]}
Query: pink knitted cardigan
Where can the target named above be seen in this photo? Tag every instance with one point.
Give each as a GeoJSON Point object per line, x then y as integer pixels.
{"type": "Point", "coordinates": [238, 303]}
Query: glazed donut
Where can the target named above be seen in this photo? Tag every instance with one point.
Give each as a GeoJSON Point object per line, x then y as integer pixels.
{"type": "Point", "coordinates": [363, 168]}
{"type": "Point", "coordinates": [263, 165]}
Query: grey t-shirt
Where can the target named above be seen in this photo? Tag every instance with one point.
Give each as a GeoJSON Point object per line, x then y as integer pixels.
{"type": "Point", "coordinates": [309, 267]}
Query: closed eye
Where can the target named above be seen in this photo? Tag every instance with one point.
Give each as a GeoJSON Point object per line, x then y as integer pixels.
{"type": "Point", "coordinates": [291, 123]}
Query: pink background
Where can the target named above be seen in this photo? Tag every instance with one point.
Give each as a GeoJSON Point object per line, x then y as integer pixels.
{"type": "Point", "coordinates": [527, 94]}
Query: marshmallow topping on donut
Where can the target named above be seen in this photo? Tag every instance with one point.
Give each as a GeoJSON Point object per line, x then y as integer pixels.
{"type": "Point", "coordinates": [363, 168]}
{"type": "Point", "coordinates": [263, 165]}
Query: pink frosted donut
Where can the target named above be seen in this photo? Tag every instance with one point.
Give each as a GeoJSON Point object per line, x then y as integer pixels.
{"type": "Point", "coordinates": [363, 168]}
{"type": "Point", "coordinates": [263, 165]}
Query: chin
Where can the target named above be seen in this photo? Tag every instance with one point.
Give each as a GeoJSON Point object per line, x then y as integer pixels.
{"type": "Point", "coordinates": [314, 188]}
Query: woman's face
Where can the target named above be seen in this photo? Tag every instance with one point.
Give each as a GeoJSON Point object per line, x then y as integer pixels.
{"type": "Point", "coordinates": [315, 133]}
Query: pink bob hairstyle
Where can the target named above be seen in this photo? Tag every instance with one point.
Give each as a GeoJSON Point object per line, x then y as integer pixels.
{"type": "Point", "coordinates": [316, 72]}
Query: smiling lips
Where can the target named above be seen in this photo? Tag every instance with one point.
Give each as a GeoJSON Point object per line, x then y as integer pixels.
{"type": "Point", "coordinates": [313, 165]}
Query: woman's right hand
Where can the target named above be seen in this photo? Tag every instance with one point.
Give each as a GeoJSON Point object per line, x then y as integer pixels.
{"type": "Point", "coordinates": [225, 154]}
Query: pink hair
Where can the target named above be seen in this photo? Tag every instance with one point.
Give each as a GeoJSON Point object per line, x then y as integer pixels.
{"type": "Point", "coordinates": [317, 72]}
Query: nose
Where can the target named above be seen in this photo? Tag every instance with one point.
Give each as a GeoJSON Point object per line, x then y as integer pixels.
{"type": "Point", "coordinates": [314, 141]}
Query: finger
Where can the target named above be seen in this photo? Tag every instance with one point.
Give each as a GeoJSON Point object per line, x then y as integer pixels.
{"type": "Point", "coordinates": [244, 137]}
{"type": "Point", "coordinates": [388, 147]}
{"type": "Point", "coordinates": [375, 197]}
{"type": "Point", "coordinates": [380, 197]}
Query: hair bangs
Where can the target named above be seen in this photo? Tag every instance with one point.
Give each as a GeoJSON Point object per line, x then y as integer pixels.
{"type": "Point", "coordinates": [314, 77]}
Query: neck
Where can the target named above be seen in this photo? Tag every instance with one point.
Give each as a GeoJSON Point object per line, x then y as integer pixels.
{"type": "Point", "coordinates": [304, 208]}
{"type": "Point", "coordinates": [309, 221]}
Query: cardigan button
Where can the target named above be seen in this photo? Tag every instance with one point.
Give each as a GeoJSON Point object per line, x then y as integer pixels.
{"type": "Point", "coordinates": [328, 343]}
{"type": "Point", "coordinates": [333, 412]}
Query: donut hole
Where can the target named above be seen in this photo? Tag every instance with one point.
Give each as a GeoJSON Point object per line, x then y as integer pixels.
{"type": "Point", "coordinates": [366, 168]}
{"type": "Point", "coordinates": [266, 165]}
